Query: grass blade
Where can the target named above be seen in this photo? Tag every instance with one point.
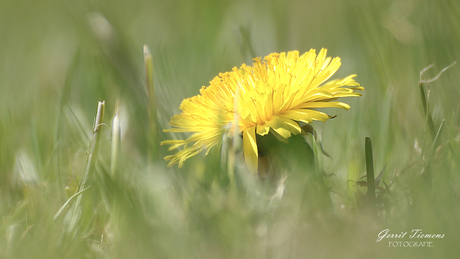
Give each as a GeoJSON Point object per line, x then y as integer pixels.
{"type": "Point", "coordinates": [370, 171]}
{"type": "Point", "coordinates": [67, 203]}
{"type": "Point", "coordinates": [435, 141]}
{"type": "Point", "coordinates": [91, 160]}
{"type": "Point", "coordinates": [428, 118]}
{"type": "Point", "coordinates": [152, 106]}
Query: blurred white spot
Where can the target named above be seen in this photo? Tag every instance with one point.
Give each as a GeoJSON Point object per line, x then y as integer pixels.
{"type": "Point", "coordinates": [417, 147]}
{"type": "Point", "coordinates": [457, 139]}
{"type": "Point", "coordinates": [279, 189]}
{"type": "Point", "coordinates": [101, 26]}
{"type": "Point", "coordinates": [123, 118]}
{"type": "Point", "coordinates": [25, 169]}
{"type": "Point", "coordinates": [262, 229]}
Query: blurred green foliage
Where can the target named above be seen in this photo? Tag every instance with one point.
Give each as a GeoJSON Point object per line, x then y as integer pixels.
{"type": "Point", "coordinates": [59, 58]}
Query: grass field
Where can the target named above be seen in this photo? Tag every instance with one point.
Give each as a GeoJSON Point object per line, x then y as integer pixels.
{"type": "Point", "coordinates": [58, 59]}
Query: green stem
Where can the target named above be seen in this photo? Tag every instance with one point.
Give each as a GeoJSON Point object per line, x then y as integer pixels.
{"type": "Point", "coordinates": [370, 171]}
{"type": "Point", "coordinates": [94, 147]}
{"type": "Point", "coordinates": [152, 106]}
{"type": "Point", "coordinates": [429, 119]}
{"type": "Point", "coordinates": [91, 160]}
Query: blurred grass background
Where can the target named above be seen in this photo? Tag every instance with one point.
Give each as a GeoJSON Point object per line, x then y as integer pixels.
{"type": "Point", "coordinates": [59, 58]}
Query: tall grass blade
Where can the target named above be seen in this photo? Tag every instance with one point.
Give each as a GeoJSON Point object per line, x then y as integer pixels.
{"type": "Point", "coordinates": [152, 106]}
{"type": "Point", "coordinates": [425, 97]}
{"type": "Point", "coordinates": [91, 160]}
{"type": "Point", "coordinates": [370, 171]}
{"type": "Point", "coordinates": [428, 118]}
{"type": "Point", "coordinates": [436, 138]}
{"type": "Point", "coordinates": [68, 202]}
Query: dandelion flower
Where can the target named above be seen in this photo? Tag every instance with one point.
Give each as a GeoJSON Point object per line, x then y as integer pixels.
{"type": "Point", "coordinates": [273, 96]}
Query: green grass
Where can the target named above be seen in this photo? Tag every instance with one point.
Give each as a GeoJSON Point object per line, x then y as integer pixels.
{"type": "Point", "coordinates": [58, 59]}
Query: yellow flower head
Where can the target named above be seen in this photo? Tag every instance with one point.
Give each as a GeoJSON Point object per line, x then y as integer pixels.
{"type": "Point", "coordinates": [272, 95]}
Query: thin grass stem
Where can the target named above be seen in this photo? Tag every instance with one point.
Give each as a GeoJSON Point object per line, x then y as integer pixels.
{"type": "Point", "coordinates": [68, 202]}
{"type": "Point", "coordinates": [152, 105]}
{"type": "Point", "coordinates": [370, 171]}
{"type": "Point", "coordinates": [428, 118]}
{"type": "Point", "coordinates": [91, 160]}
{"type": "Point", "coordinates": [435, 141]}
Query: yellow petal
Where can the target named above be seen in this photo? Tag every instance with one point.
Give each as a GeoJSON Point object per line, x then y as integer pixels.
{"type": "Point", "coordinates": [324, 105]}
{"type": "Point", "coordinates": [283, 132]}
{"type": "Point", "coordinates": [284, 126]}
{"type": "Point", "coordinates": [250, 149]}
{"type": "Point", "coordinates": [263, 129]}
{"type": "Point", "coordinates": [278, 136]}
{"type": "Point", "coordinates": [305, 115]}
